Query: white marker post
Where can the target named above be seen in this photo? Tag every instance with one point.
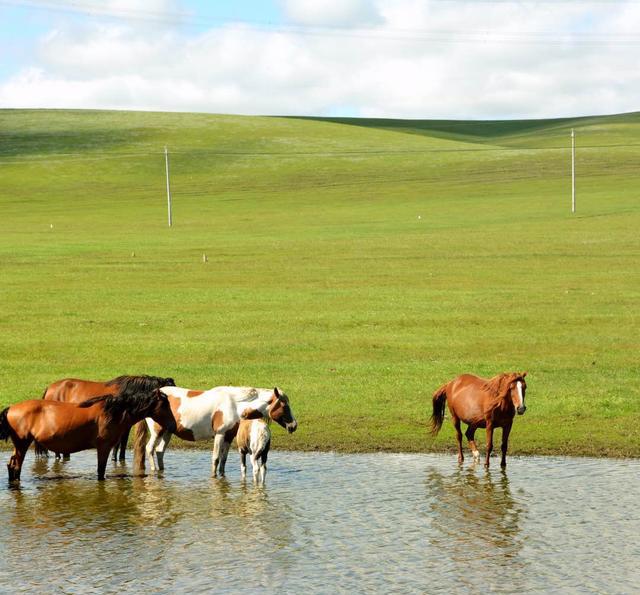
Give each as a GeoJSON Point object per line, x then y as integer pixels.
{"type": "Point", "coordinates": [166, 163]}
{"type": "Point", "coordinates": [573, 171]}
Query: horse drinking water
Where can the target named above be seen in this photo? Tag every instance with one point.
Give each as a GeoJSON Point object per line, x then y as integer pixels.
{"type": "Point", "coordinates": [65, 427]}
{"type": "Point", "coordinates": [73, 390]}
{"type": "Point", "coordinates": [481, 403]}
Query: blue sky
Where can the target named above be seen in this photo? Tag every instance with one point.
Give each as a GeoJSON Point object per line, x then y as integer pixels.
{"type": "Point", "coordinates": [387, 58]}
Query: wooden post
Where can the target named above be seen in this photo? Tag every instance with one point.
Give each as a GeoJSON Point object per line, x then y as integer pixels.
{"type": "Point", "coordinates": [573, 171]}
{"type": "Point", "coordinates": [166, 164]}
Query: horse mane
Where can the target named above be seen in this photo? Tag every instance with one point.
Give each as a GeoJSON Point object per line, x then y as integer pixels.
{"type": "Point", "coordinates": [246, 393]}
{"type": "Point", "coordinates": [498, 386]}
{"type": "Point", "coordinates": [115, 406]}
{"type": "Point", "coordinates": [131, 385]}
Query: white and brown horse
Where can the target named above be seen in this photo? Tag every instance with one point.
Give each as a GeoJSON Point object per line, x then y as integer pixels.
{"type": "Point", "coordinates": [215, 413]}
{"type": "Point", "coordinates": [254, 439]}
{"type": "Point", "coordinates": [481, 403]}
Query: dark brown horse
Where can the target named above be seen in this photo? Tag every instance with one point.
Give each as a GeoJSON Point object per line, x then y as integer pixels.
{"type": "Point", "coordinates": [481, 403]}
{"type": "Point", "coordinates": [73, 390]}
{"type": "Point", "coordinates": [66, 427]}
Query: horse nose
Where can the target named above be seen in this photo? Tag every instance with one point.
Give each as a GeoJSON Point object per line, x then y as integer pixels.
{"type": "Point", "coordinates": [521, 410]}
{"type": "Point", "coordinates": [292, 427]}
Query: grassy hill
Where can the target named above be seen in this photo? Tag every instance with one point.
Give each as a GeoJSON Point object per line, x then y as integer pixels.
{"type": "Point", "coordinates": [357, 264]}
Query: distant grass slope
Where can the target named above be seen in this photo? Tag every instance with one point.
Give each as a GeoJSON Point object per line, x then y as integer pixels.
{"type": "Point", "coordinates": [358, 264]}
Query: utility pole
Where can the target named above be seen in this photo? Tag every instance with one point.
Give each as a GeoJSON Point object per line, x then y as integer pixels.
{"type": "Point", "coordinates": [573, 171]}
{"type": "Point", "coordinates": [166, 164]}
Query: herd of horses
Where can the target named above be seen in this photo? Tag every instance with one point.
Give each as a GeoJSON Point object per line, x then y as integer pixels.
{"type": "Point", "coordinates": [75, 415]}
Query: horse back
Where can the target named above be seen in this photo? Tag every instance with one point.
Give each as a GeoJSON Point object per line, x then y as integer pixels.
{"type": "Point", "coordinates": [47, 421]}
{"type": "Point", "coordinates": [74, 390]}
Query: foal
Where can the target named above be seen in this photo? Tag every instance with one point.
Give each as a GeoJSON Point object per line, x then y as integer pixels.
{"type": "Point", "coordinates": [254, 437]}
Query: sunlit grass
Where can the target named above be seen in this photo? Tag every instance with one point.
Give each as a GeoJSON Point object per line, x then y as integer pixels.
{"type": "Point", "coordinates": [356, 266]}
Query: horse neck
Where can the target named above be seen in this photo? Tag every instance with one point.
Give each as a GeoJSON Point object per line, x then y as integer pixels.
{"type": "Point", "coordinates": [260, 403]}
{"type": "Point", "coordinates": [127, 419]}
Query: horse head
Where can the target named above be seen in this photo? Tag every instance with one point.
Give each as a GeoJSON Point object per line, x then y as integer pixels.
{"type": "Point", "coordinates": [159, 410]}
{"type": "Point", "coordinates": [517, 389]}
{"type": "Point", "coordinates": [280, 411]}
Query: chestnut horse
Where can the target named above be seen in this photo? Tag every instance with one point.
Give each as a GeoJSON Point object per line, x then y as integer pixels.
{"type": "Point", "coordinates": [215, 413]}
{"type": "Point", "coordinates": [481, 403]}
{"type": "Point", "coordinates": [72, 390]}
{"type": "Point", "coordinates": [66, 427]}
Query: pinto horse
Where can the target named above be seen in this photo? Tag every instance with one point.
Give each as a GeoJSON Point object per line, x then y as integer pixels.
{"type": "Point", "coordinates": [72, 390]}
{"type": "Point", "coordinates": [66, 427]}
{"type": "Point", "coordinates": [254, 438]}
{"type": "Point", "coordinates": [215, 413]}
{"type": "Point", "coordinates": [481, 403]}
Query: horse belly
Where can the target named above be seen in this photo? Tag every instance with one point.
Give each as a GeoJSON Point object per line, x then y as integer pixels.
{"type": "Point", "coordinates": [194, 420]}
{"type": "Point", "coordinates": [469, 410]}
{"type": "Point", "coordinates": [68, 442]}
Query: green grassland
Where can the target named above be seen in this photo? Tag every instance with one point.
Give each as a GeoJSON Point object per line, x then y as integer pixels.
{"type": "Point", "coordinates": [357, 264]}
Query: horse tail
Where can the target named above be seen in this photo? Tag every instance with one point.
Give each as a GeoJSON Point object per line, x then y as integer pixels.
{"type": "Point", "coordinates": [139, 444]}
{"type": "Point", "coordinates": [5, 428]}
{"type": "Point", "coordinates": [439, 400]}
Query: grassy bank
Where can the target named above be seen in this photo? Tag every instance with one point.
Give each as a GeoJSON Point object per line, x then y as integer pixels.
{"type": "Point", "coordinates": [358, 264]}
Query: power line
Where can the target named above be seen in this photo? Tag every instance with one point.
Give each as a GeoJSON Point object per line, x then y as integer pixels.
{"type": "Point", "coordinates": [581, 38]}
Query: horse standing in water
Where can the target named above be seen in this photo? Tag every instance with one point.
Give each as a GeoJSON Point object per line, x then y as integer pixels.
{"type": "Point", "coordinates": [73, 390]}
{"type": "Point", "coordinates": [481, 403]}
{"type": "Point", "coordinates": [66, 427]}
{"type": "Point", "coordinates": [215, 413]}
{"type": "Point", "coordinates": [254, 438]}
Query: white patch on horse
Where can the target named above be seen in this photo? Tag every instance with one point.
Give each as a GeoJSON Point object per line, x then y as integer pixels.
{"type": "Point", "coordinates": [196, 413]}
{"type": "Point", "coordinates": [519, 385]}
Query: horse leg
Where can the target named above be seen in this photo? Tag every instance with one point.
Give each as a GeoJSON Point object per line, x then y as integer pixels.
{"type": "Point", "coordinates": [505, 441]}
{"type": "Point", "coordinates": [66, 457]}
{"type": "Point", "coordinates": [124, 441]}
{"type": "Point", "coordinates": [255, 467]}
{"type": "Point", "coordinates": [150, 448]}
{"type": "Point", "coordinates": [470, 434]}
{"type": "Point", "coordinates": [456, 423]}
{"type": "Point", "coordinates": [161, 446]}
{"type": "Point", "coordinates": [263, 467]}
{"type": "Point", "coordinates": [218, 443]}
{"type": "Point", "coordinates": [224, 453]}
{"type": "Point", "coordinates": [489, 443]}
{"type": "Point", "coordinates": [103, 458]}
{"type": "Point", "coordinates": [14, 467]}
{"type": "Point", "coordinates": [243, 464]}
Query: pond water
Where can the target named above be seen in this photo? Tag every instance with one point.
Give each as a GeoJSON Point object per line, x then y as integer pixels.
{"type": "Point", "coordinates": [324, 522]}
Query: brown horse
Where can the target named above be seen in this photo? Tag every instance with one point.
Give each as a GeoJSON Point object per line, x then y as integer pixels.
{"type": "Point", "coordinates": [481, 403]}
{"type": "Point", "coordinates": [73, 390]}
{"type": "Point", "coordinates": [65, 427]}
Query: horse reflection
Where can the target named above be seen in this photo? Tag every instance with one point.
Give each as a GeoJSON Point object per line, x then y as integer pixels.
{"type": "Point", "coordinates": [475, 511]}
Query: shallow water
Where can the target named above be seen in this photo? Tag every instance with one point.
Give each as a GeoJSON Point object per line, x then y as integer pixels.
{"type": "Point", "coordinates": [324, 523]}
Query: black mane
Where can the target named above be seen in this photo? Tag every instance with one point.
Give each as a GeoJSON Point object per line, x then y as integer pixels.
{"type": "Point", "coordinates": [132, 385]}
{"type": "Point", "coordinates": [115, 406]}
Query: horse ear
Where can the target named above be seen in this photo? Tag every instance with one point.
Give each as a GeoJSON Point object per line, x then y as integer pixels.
{"type": "Point", "coordinates": [276, 392]}
{"type": "Point", "coordinates": [523, 374]}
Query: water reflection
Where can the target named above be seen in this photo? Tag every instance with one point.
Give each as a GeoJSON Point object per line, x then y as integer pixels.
{"type": "Point", "coordinates": [359, 523]}
{"type": "Point", "coordinates": [474, 518]}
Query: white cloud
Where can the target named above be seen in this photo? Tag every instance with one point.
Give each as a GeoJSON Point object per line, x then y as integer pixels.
{"type": "Point", "coordinates": [406, 58]}
{"type": "Point", "coordinates": [338, 13]}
